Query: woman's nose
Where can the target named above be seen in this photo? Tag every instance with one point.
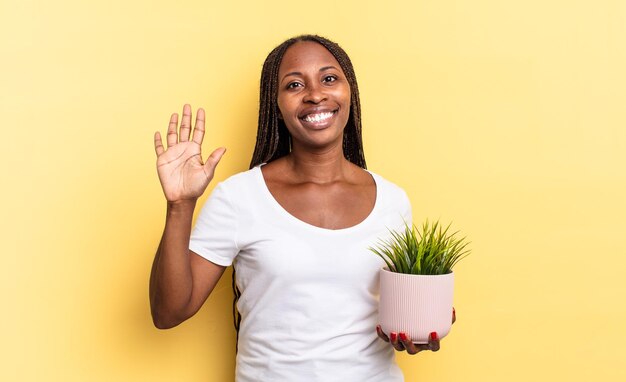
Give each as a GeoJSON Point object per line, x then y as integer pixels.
{"type": "Point", "coordinates": [314, 94]}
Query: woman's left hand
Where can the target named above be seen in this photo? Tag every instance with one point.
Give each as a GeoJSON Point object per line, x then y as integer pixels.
{"type": "Point", "coordinates": [401, 341]}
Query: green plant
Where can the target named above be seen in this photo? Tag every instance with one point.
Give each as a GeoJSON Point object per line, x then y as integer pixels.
{"type": "Point", "coordinates": [429, 251]}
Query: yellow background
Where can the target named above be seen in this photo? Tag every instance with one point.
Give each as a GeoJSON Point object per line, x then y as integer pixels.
{"type": "Point", "coordinates": [505, 117]}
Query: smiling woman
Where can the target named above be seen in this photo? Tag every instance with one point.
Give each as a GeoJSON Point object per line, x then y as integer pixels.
{"type": "Point", "coordinates": [313, 96]}
{"type": "Point", "coordinates": [306, 211]}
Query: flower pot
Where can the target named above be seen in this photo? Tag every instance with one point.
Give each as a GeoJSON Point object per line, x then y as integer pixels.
{"type": "Point", "coordinates": [416, 304]}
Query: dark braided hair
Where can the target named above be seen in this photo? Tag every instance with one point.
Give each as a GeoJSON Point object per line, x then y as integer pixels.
{"type": "Point", "coordinates": [273, 139]}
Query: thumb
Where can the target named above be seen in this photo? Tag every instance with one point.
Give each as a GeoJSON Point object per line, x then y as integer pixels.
{"type": "Point", "coordinates": [214, 159]}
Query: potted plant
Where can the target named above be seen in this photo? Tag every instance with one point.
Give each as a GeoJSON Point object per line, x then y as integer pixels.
{"type": "Point", "coordinates": [416, 286]}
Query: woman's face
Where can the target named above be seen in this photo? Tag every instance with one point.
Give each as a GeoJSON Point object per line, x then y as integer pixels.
{"type": "Point", "coordinates": [313, 95]}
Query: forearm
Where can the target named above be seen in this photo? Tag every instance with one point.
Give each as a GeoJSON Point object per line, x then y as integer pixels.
{"type": "Point", "coordinates": [171, 280]}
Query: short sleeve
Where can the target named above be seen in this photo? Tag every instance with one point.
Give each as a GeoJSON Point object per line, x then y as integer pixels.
{"type": "Point", "coordinates": [214, 236]}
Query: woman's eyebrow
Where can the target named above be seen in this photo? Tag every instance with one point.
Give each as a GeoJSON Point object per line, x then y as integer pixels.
{"type": "Point", "coordinates": [300, 73]}
{"type": "Point", "coordinates": [292, 74]}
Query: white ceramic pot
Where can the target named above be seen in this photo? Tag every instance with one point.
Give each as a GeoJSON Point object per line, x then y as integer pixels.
{"type": "Point", "coordinates": [416, 304]}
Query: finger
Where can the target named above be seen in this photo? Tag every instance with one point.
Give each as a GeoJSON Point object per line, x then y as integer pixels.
{"type": "Point", "coordinates": [212, 161]}
{"type": "Point", "coordinates": [381, 334]}
{"type": "Point", "coordinates": [453, 315]}
{"type": "Point", "coordinates": [408, 344]}
{"type": "Point", "coordinates": [158, 144]}
{"type": "Point", "coordinates": [172, 136]}
{"type": "Point", "coordinates": [393, 336]}
{"type": "Point", "coordinates": [433, 342]}
{"type": "Point", "coordinates": [198, 130]}
{"type": "Point", "coordinates": [185, 124]}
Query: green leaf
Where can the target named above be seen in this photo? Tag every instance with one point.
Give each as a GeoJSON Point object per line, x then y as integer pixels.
{"type": "Point", "coordinates": [430, 250]}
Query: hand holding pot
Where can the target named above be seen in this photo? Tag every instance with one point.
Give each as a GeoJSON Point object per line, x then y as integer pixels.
{"type": "Point", "coordinates": [401, 341]}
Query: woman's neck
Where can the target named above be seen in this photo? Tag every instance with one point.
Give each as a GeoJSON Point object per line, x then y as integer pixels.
{"type": "Point", "coordinates": [318, 167]}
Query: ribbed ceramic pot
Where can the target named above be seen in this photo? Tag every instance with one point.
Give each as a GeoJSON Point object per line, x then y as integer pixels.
{"type": "Point", "coordinates": [416, 304]}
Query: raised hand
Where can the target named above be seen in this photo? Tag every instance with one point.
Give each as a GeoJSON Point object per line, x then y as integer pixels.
{"type": "Point", "coordinates": [182, 173]}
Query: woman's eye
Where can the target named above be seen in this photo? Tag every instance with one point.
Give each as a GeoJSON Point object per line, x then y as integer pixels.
{"type": "Point", "coordinates": [294, 85]}
{"type": "Point", "coordinates": [330, 78]}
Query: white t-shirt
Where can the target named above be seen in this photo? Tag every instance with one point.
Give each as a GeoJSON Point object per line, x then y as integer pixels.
{"type": "Point", "coordinates": [309, 295]}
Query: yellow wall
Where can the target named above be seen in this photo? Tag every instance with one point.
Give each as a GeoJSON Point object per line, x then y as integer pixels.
{"type": "Point", "coordinates": [505, 117]}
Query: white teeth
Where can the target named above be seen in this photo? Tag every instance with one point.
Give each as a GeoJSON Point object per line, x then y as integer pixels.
{"type": "Point", "coordinates": [318, 117]}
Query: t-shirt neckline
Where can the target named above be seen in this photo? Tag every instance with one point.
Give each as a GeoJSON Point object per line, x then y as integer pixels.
{"type": "Point", "coordinates": [288, 215]}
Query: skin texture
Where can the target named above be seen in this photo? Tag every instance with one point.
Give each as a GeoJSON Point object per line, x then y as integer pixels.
{"type": "Point", "coordinates": [181, 280]}
{"type": "Point", "coordinates": [315, 183]}
{"type": "Point", "coordinates": [311, 80]}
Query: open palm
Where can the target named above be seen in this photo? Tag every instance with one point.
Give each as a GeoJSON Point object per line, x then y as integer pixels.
{"type": "Point", "coordinates": [182, 173]}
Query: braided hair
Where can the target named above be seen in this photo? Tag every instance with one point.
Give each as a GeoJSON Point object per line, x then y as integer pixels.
{"type": "Point", "coordinates": [273, 139]}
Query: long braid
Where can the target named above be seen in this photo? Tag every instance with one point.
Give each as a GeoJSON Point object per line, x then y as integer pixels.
{"type": "Point", "coordinates": [273, 139]}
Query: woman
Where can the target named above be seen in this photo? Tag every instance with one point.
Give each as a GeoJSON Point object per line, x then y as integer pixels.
{"type": "Point", "coordinates": [296, 228]}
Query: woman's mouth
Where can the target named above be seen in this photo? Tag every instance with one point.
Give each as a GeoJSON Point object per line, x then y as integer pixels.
{"type": "Point", "coordinates": [318, 120]}
{"type": "Point", "coordinates": [318, 117]}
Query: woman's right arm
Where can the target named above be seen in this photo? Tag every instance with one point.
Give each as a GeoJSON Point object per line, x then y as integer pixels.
{"type": "Point", "coordinates": [180, 280]}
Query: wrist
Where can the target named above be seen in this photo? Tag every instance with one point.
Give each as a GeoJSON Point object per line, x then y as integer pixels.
{"type": "Point", "coordinates": [181, 205]}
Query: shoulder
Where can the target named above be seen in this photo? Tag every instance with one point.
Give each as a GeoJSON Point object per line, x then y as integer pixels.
{"type": "Point", "coordinates": [238, 188]}
{"type": "Point", "coordinates": [392, 201]}
{"type": "Point", "coordinates": [242, 179]}
{"type": "Point", "coordinates": [387, 188]}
